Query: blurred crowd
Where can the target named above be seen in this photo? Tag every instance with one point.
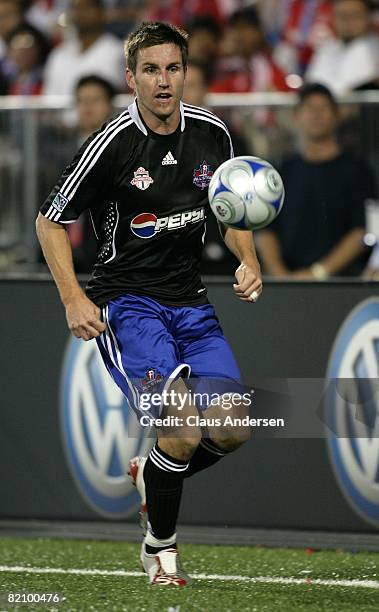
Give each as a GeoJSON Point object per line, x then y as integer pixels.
{"type": "Point", "coordinates": [320, 49]}
{"type": "Point", "coordinates": [46, 46]}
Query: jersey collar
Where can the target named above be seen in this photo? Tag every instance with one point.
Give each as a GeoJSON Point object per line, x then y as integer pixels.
{"type": "Point", "coordinates": [134, 114]}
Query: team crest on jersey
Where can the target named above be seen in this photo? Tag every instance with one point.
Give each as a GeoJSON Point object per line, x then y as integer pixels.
{"type": "Point", "coordinates": [142, 179]}
{"type": "Point", "coordinates": [202, 175]}
{"type": "Point", "coordinates": [152, 378]}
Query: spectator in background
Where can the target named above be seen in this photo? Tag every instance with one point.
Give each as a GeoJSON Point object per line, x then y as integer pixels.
{"type": "Point", "coordinates": [11, 16]}
{"type": "Point", "coordinates": [352, 60]}
{"type": "Point", "coordinates": [249, 65]}
{"type": "Point", "coordinates": [217, 259]}
{"type": "Point", "coordinates": [204, 39]}
{"type": "Point", "coordinates": [305, 26]}
{"type": "Point", "coordinates": [182, 12]}
{"type": "Point", "coordinates": [94, 105]}
{"type": "Point", "coordinates": [44, 15]}
{"type": "Point", "coordinates": [91, 51]}
{"type": "Point", "coordinates": [196, 83]}
{"type": "Point", "coordinates": [94, 98]}
{"type": "Point", "coordinates": [122, 15]}
{"type": "Point", "coordinates": [319, 232]}
{"type": "Point", "coordinates": [196, 86]}
{"type": "Point", "coordinates": [28, 50]}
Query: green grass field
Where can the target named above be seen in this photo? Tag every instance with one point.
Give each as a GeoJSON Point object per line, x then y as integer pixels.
{"type": "Point", "coordinates": [111, 592]}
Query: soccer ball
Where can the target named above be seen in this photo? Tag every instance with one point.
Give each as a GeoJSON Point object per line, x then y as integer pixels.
{"type": "Point", "coordinates": [246, 193]}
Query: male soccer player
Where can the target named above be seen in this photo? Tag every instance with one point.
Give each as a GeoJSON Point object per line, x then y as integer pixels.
{"type": "Point", "coordinates": [144, 178]}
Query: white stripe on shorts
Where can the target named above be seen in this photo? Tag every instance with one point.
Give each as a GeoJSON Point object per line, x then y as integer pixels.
{"type": "Point", "coordinates": [111, 338]}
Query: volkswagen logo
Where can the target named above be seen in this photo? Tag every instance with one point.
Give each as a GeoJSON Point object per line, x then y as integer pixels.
{"type": "Point", "coordinates": [94, 419]}
{"type": "Point", "coordinates": [352, 409]}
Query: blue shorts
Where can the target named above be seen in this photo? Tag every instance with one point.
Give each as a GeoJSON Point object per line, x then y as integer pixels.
{"type": "Point", "coordinates": [148, 345]}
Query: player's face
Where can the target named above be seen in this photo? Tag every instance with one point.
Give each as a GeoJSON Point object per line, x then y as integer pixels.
{"type": "Point", "coordinates": [317, 117]}
{"type": "Point", "coordinates": [158, 83]}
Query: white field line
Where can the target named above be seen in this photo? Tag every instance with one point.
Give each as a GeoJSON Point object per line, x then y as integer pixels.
{"type": "Point", "coordinates": [368, 584]}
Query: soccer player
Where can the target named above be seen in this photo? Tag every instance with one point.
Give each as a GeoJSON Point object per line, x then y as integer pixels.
{"type": "Point", "coordinates": [144, 178]}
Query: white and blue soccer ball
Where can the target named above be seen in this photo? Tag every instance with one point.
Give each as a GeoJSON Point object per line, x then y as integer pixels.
{"type": "Point", "coordinates": [246, 193]}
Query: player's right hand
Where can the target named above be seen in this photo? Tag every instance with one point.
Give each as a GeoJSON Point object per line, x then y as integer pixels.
{"type": "Point", "coordinates": [83, 318]}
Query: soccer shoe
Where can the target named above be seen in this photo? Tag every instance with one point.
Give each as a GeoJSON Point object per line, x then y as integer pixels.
{"type": "Point", "coordinates": [163, 568]}
{"type": "Point", "coordinates": [135, 472]}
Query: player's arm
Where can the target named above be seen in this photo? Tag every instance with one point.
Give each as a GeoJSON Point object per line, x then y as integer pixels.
{"type": "Point", "coordinates": [84, 184]}
{"type": "Point", "coordinates": [248, 274]}
{"type": "Point", "coordinates": [83, 316]}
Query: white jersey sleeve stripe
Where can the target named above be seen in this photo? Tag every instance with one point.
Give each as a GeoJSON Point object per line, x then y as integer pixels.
{"type": "Point", "coordinates": [90, 151]}
{"type": "Point", "coordinates": [191, 113]}
{"type": "Point", "coordinates": [204, 111]}
{"type": "Point", "coordinates": [94, 160]}
{"type": "Point", "coordinates": [219, 124]}
{"type": "Point", "coordinates": [49, 211]}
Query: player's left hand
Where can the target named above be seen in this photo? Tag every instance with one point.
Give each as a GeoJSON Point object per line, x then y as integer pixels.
{"type": "Point", "coordinates": [249, 282]}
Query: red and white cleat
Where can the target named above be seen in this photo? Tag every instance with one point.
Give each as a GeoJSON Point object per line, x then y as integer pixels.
{"type": "Point", "coordinates": [163, 568]}
{"type": "Point", "coordinates": [135, 472]}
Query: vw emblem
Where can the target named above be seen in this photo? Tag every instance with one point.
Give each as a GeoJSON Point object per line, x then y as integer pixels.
{"type": "Point", "coordinates": [352, 409]}
{"type": "Point", "coordinates": [94, 422]}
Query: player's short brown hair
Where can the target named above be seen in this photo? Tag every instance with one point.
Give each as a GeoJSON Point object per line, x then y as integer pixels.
{"type": "Point", "coordinates": [154, 33]}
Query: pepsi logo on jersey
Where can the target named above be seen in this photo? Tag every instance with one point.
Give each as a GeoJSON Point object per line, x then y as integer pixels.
{"type": "Point", "coordinates": [146, 225]}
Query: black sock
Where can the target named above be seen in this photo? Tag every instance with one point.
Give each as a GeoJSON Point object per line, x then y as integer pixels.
{"type": "Point", "coordinates": [163, 476]}
{"type": "Point", "coordinates": [206, 454]}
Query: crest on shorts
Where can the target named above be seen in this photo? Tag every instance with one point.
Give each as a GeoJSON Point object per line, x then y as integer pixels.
{"type": "Point", "coordinates": [152, 378]}
{"type": "Point", "coordinates": [202, 175]}
{"type": "Point", "coordinates": [142, 179]}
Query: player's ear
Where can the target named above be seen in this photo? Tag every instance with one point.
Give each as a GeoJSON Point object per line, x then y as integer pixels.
{"type": "Point", "coordinates": [130, 78]}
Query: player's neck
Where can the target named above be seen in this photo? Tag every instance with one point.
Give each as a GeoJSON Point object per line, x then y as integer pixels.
{"type": "Point", "coordinates": [164, 126]}
{"type": "Point", "coordinates": [321, 150]}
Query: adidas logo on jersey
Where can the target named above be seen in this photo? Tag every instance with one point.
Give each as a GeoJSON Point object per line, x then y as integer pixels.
{"type": "Point", "coordinates": [169, 160]}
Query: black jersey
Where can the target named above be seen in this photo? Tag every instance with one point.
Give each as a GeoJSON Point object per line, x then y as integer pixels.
{"type": "Point", "coordinates": [147, 196]}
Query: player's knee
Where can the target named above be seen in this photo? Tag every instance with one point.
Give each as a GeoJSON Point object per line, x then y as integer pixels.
{"type": "Point", "coordinates": [234, 440]}
{"type": "Point", "coordinates": [189, 446]}
{"type": "Point", "coordinates": [181, 448]}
